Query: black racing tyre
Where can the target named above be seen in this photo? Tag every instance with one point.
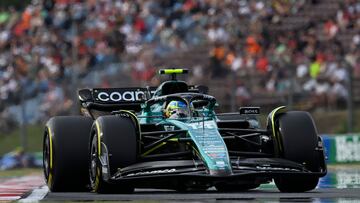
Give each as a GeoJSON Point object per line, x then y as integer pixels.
{"type": "Point", "coordinates": [296, 184]}
{"type": "Point", "coordinates": [235, 187]}
{"type": "Point", "coordinates": [65, 153]}
{"type": "Point", "coordinates": [298, 140]}
{"type": "Point", "coordinates": [119, 135]}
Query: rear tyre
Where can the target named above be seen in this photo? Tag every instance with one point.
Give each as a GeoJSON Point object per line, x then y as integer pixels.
{"type": "Point", "coordinates": [65, 153]}
{"type": "Point", "coordinates": [298, 140]}
{"type": "Point", "coordinates": [117, 136]}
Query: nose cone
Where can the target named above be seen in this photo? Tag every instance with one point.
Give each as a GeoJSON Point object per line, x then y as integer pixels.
{"type": "Point", "coordinates": [220, 172]}
{"type": "Point", "coordinates": [211, 147]}
{"type": "Point", "coordinates": [208, 144]}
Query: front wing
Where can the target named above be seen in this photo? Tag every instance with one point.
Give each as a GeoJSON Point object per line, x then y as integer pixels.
{"type": "Point", "coordinates": [167, 174]}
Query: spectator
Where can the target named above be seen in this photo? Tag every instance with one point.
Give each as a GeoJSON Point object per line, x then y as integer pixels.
{"type": "Point", "coordinates": [337, 95]}
{"type": "Point", "coordinates": [217, 56]}
{"type": "Point", "coordinates": [242, 94]}
{"type": "Point", "coordinates": [51, 43]}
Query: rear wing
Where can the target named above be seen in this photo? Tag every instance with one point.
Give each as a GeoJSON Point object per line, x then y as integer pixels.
{"type": "Point", "coordinates": [122, 95]}
{"type": "Point", "coordinates": [113, 99]}
{"type": "Point", "coordinates": [135, 95]}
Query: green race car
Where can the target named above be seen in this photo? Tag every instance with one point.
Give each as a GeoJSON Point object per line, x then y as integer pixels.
{"type": "Point", "coordinates": [170, 137]}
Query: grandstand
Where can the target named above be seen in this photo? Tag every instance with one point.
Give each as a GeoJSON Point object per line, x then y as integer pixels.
{"type": "Point", "coordinates": [258, 52]}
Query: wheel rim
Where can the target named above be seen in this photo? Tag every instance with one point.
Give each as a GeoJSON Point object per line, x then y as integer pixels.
{"type": "Point", "coordinates": [93, 159]}
{"type": "Point", "coordinates": [46, 156]}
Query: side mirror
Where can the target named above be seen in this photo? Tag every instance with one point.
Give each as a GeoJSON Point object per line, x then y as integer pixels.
{"type": "Point", "coordinates": [85, 95]}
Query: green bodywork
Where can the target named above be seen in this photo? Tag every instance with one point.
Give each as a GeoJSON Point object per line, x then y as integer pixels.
{"type": "Point", "coordinates": [207, 142]}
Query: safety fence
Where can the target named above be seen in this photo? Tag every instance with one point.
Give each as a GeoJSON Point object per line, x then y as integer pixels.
{"type": "Point", "coordinates": [342, 148]}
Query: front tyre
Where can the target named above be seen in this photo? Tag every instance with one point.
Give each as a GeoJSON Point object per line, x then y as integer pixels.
{"type": "Point", "coordinates": [296, 184]}
{"type": "Point", "coordinates": [117, 136]}
{"type": "Point", "coordinates": [298, 140]}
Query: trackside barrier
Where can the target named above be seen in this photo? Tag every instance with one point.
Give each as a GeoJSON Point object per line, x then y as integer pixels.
{"type": "Point", "coordinates": [342, 148]}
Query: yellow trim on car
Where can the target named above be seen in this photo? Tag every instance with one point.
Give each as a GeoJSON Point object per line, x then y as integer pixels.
{"type": "Point", "coordinates": [196, 151]}
{"type": "Point", "coordinates": [154, 148]}
{"type": "Point", "coordinates": [173, 140]}
{"type": "Point", "coordinates": [173, 71]}
{"type": "Point", "coordinates": [273, 124]}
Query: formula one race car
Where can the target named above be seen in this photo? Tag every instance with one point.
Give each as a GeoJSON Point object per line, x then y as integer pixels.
{"type": "Point", "coordinates": [170, 137]}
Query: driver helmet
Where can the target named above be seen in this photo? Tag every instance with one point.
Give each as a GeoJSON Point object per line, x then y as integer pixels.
{"type": "Point", "coordinates": [176, 109]}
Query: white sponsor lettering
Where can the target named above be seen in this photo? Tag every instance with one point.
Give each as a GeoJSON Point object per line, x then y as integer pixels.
{"type": "Point", "coordinates": [347, 148]}
{"type": "Point", "coordinates": [115, 96]}
{"type": "Point", "coordinates": [199, 125]}
{"type": "Point", "coordinates": [153, 172]}
{"type": "Point", "coordinates": [251, 111]}
{"type": "Point", "coordinates": [275, 168]}
{"type": "Point", "coordinates": [220, 164]}
{"type": "Point", "coordinates": [128, 96]}
{"type": "Point", "coordinates": [140, 95]}
{"type": "Point", "coordinates": [347, 178]}
{"type": "Point", "coordinates": [121, 96]}
{"type": "Point", "coordinates": [103, 96]}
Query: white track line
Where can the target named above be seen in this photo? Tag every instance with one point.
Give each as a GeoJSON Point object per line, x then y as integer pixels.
{"type": "Point", "coordinates": [36, 195]}
{"type": "Point", "coordinates": [15, 188]}
{"type": "Point", "coordinates": [12, 198]}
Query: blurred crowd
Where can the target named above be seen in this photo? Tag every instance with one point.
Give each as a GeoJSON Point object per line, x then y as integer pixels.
{"type": "Point", "coordinates": [48, 45]}
{"type": "Point", "coordinates": [19, 159]}
{"type": "Point", "coordinates": [312, 60]}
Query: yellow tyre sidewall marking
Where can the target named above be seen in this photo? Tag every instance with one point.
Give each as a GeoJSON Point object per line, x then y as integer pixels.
{"type": "Point", "coordinates": [276, 136]}
{"type": "Point", "coordinates": [98, 134]}
{"type": "Point", "coordinates": [97, 176]}
{"type": "Point", "coordinates": [49, 180]}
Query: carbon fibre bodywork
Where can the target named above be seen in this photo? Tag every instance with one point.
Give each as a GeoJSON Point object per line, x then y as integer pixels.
{"type": "Point", "coordinates": [170, 174]}
{"type": "Point", "coordinates": [212, 151]}
{"type": "Point", "coordinates": [198, 151]}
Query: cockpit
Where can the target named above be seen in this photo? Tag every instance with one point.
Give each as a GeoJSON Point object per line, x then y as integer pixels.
{"type": "Point", "coordinates": [182, 105]}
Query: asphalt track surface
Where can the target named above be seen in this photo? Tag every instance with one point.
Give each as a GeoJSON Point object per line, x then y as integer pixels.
{"type": "Point", "coordinates": [259, 195]}
{"type": "Point", "coordinates": [340, 185]}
